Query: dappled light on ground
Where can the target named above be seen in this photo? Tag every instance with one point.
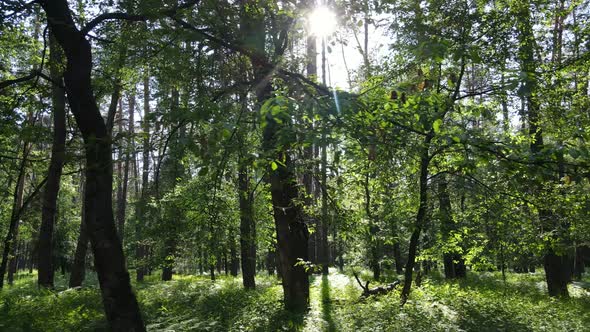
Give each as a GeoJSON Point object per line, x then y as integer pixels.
{"type": "Point", "coordinates": [195, 303]}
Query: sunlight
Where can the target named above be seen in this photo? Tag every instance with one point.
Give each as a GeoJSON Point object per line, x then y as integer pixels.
{"type": "Point", "coordinates": [322, 22]}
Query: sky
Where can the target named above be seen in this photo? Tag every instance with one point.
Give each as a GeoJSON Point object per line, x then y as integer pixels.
{"type": "Point", "coordinates": [343, 57]}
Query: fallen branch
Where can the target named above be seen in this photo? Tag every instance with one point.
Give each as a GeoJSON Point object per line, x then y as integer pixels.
{"type": "Point", "coordinates": [381, 290]}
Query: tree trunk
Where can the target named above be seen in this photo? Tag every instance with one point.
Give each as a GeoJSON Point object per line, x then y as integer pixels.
{"type": "Point", "coordinates": [121, 307]}
{"type": "Point", "coordinates": [555, 263]}
{"type": "Point", "coordinates": [167, 268]}
{"type": "Point", "coordinates": [12, 234]}
{"type": "Point", "coordinates": [141, 250]}
{"type": "Point", "coordinates": [454, 264]}
{"type": "Point", "coordinates": [397, 256]}
{"type": "Point", "coordinates": [292, 233]}
{"type": "Point", "coordinates": [247, 228]}
{"type": "Point", "coordinates": [308, 151]}
{"type": "Point", "coordinates": [78, 272]}
{"type": "Point", "coordinates": [48, 213]}
{"type": "Point", "coordinates": [124, 180]}
{"type": "Point", "coordinates": [373, 241]}
{"type": "Point", "coordinates": [420, 218]}
{"type": "Point", "coordinates": [234, 260]}
{"type": "Point", "coordinates": [324, 255]}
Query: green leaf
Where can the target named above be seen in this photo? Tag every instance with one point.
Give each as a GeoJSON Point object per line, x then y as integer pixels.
{"type": "Point", "coordinates": [436, 125]}
{"type": "Point", "coordinates": [274, 166]}
{"type": "Point", "coordinates": [574, 153]}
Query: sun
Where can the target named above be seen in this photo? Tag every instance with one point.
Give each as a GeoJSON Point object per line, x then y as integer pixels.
{"type": "Point", "coordinates": [322, 22]}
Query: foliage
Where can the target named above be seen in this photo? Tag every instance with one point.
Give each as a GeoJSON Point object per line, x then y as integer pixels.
{"type": "Point", "coordinates": [193, 303]}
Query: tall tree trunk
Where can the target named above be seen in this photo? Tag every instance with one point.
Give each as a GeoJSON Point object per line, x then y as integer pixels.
{"type": "Point", "coordinates": [234, 260]}
{"type": "Point", "coordinates": [122, 195]}
{"type": "Point", "coordinates": [141, 250]}
{"type": "Point", "coordinates": [121, 307]}
{"type": "Point", "coordinates": [12, 234]}
{"type": "Point", "coordinates": [247, 227]}
{"type": "Point", "coordinates": [420, 217]}
{"type": "Point", "coordinates": [324, 255]}
{"type": "Point", "coordinates": [292, 233]}
{"type": "Point", "coordinates": [454, 263]}
{"type": "Point", "coordinates": [78, 272]}
{"type": "Point", "coordinates": [556, 263]}
{"type": "Point", "coordinates": [397, 257]}
{"type": "Point", "coordinates": [309, 150]}
{"type": "Point", "coordinates": [48, 212]}
{"type": "Point", "coordinates": [374, 243]}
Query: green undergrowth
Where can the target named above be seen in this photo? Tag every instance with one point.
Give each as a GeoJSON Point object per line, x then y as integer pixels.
{"type": "Point", "coordinates": [482, 302]}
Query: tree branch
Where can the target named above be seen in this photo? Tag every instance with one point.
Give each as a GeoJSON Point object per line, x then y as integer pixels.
{"type": "Point", "coordinates": [7, 83]}
{"type": "Point", "coordinates": [110, 16]}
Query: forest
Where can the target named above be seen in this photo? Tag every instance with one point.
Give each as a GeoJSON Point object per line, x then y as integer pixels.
{"type": "Point", "coordinates": [294, 165]}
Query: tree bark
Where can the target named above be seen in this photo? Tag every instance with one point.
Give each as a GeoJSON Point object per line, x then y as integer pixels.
{"type": "Point", "coordinates": [48, 212]}
{"type": "Point", "coordinates": [78, 272]}
{"type": "Point", "coordinates": [121, 307]}
{"type": "Point", "coordinates": [141, 250]}
{"type": "Point", "coordinates": [247, 228]}
{"type": "Point", "coordinates": [292, 233]}
{"type": "Point", "coordinates": [454, 264]}
{"type": "Point", "coordinates": [420, 217]}
{"type": "Point", "coordinates": [556, 264]}
{"type": "Point", "coordinates": [234, 260]}
{"type": "Point", "coordinates": [122, 197]}
{"type": "Point", "coordinates": [12, 234]}
{"type": "Point", "coordinates": [397, 256]}
{"type": "Point", "coordinates": [373, 241]}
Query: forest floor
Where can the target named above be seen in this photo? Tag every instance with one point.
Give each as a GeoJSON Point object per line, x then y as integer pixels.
{"type": "Point", "coordinates": [482, 302]}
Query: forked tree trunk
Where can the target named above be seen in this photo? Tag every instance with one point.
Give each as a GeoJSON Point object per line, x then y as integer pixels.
{"type": "Point", "coordinates": [121, 307]}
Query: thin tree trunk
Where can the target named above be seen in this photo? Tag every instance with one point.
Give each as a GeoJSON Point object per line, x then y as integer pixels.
{"type": "Point", "coordinates": [122, 194]}
{"type": "Point", "coordinates": [78, 272]}
{"type": "Point", "coordinates": [374, 245]}
{"type": "Point", "coordinates": [48, 213]}
{"type": "Point", "coordinates": [309, 150]}
{"type": "Point", "coordinates": [12, 234]}
{"type": "Point", "coordinates": [420, 218]}
{"type": "Point", "coordinates": [247, 228]}
{"type": "Point", "coordinates": [234, 260]}
{"type": "Point", "coordinates": [141, 249]}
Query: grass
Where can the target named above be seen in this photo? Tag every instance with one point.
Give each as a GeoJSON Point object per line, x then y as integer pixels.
{"type": "Point", "coordinates": [482, 302]}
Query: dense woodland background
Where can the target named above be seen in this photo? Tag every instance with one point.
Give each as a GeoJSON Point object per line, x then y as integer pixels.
{"type": "Point", "coordinates": [147, 146]}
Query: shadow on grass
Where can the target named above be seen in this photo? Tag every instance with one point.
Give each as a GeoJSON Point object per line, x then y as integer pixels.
{"type": "Point", "coordinates": [284, 320]}
{"type": "Point", "coordinates": [327, 304]}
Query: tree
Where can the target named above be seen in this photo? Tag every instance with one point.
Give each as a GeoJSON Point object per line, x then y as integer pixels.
{"type": "Point", "coordinates": [120, 304]}
{"type": "Point", "coordinates": [45, 244]}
